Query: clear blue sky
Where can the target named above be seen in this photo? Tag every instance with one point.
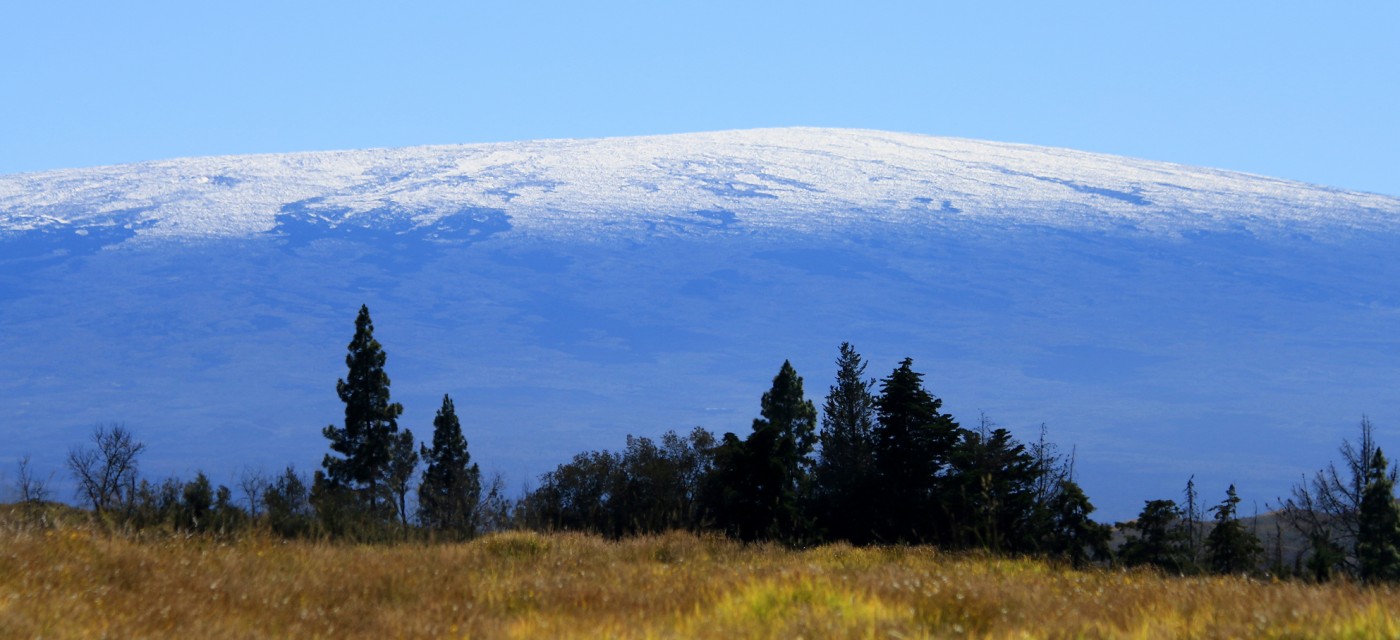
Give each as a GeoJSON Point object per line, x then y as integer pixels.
{"type": "Point", "coordinates": [1304, 91]}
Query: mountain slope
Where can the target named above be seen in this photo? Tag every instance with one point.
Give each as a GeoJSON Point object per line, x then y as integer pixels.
{"type": "Point", "coordinates": [1166, 320]}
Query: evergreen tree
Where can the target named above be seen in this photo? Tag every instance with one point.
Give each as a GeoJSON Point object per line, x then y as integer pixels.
{"type": "Point", "coordinates": [913, 443]}
{"type": "Point", "coordinates": [844, 476]}
{"type": "Point", "coordinates": [1071, 533]}
{"type": "Point", "coordinates": [1161, 541]}
{"type": "Point", "coordinates": [365, 443]}
{"type": "Point", "coordinates": [451, 486]}
{"type": "Point", "coordinates": [287, 504]}
{"type": "Point", "coordinates": [196, 504]}
{"type": "Point", "coordinates": [992, 490]}
{"type": "Point", "coordinates": [764, 476]}
{"type": "Point", "coordinates": [1230, 548]}
{"type": "Point", "coordinates": [1378, 525]}
{"type": "Point", "coordinates": [402, 463]}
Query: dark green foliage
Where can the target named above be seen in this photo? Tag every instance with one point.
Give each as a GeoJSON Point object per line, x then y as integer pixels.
{"type": "Point", "coordinates": [1230, 548]}
{"type": "Point", "coordinates": [844, 478]}
{"type": "Point", "coordinates": [992, 491]}
{"type": "Point", "coordinates": [645, 489]}
{"type": "Point", "coordinates": [155, 504]}
{"type": "Point", "coordinates": [403, 461]}
{"type": "Point", "coordinates": [358, 477]}
{"type": "Point", "coordinates": [761, 479]}
{"type": "Point", "coordinates": [1070, 533]}
{"type": "Point", "coordinates": [366, 441]}
{"type": "Point", "coordinates": [287, 505]}
{"type": "Point", "coordinates": [913, 446]}
{"type": "Point", "coordinates": [451, 486]}
{"type": "Point", "coordinates": [1161, 541]}
{"type": "Point", "coordinates": [1378, 525]}
{"type": "Point", "coordinates": [1325, 558]}
{"type": "Point", "coordinates": [197, 504]}
{"type": "Point", "coordinates": [227, 516]}
{"type": "Point", "coordinates": [663, 483]}
{"type": "Point", "coordinates": [579, 496]}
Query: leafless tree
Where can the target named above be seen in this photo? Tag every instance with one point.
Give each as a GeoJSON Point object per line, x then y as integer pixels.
{"type": "Point", "coordinates": [253, 483]}
{"type": "Point", "coordinates": [493, 510]}
{"type": "Point", "coordinates": [1324, 508]}
{"type": "Point", "coordinates": [31, 488]}
{"type": "Point", "coordinates": [106, 470]}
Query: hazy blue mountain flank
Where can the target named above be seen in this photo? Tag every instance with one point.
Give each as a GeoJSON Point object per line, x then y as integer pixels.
{"type": "Point", "coordinates": [1165, 320]}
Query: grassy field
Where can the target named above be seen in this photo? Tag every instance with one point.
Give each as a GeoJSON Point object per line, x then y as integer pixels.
{"type": "Point", "coordinates": [70, 581]}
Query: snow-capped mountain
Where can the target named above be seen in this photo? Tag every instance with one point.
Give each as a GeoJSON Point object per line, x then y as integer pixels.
{"type": "Point", "coordinates": [1166, 320]}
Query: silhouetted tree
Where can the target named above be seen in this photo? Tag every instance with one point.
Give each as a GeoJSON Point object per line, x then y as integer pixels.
{"type": "Point", "coordinates": [1230, 548]}
{"type": "Point", "coordinates": [1378, 525]}
{"type": "Point", "coordinates": [579, 496]}
{"type": "Point", "coordinates": [287, 503]}
{"type": "Point", "coordinates": [1328, 505]}
{"type": "Point", "coordinates": [646, 488]}
{"type": "Point", "coordinates": [253, 482]}
{"type": "Point", "coordinates": [403, 461]}
{"type": "Point", "coordinates": [28, 486]}
{"type": "Point", "coordinates": [366, 441]}
{"type": "Point", "coordinates": [1194, 521]}
{"type": "Point", "coordinates": [451, 486]}
{"type": "Point", "coordinates": [913, 444]}
{"type": "Point", "coordinates": [663, 482]}
{"type": "Point", "coordinates": [844, 478]}
{"type": "Point", "coordinates": [106, 472]}
{"type": "Point", "coordinates": [992, 490]}
{"type": "Point", "coordinates": [1160, 541]}
{"type": "Point", "coordinates": [196, 504]}
{"type": "Point", "coordinates": [1071, 534]}
{"type": "Point", "coordinates": [765, 475]}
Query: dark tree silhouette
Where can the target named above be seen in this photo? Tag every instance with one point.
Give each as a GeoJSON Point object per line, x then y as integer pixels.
{"type": "Point", "coordinates": [1378, 525]}
{"type": "Point", "coordinates": [913, 445]}
{"type": "Point", "coordinates": [366, 441]}
{"type": "Point", "coordinates": [1230, 548]}
{"type": "Point", "coordinates": [106, 472]}
{"type": "Point", "coordinates": [451, 486]}
{"type": "Point", "coordinates": [764, 477]}
{"type": "Point", "coordinates": [1071, 533]}
{"type": "Point", "coordinates": [1161, 540]}
{"type": "Point", "coordinates": [844, 478]}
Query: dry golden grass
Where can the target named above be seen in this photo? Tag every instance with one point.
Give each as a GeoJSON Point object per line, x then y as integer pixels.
{"type": "Point", "coordinates": [74, 582]}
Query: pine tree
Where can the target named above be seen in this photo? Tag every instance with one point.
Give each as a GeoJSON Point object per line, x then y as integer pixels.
{"type": "Point", "coordinates": [403, 461]}
{"type": "Point", "coordinates": [913, 443]}
{"type": "Point", "coordinates": [992, 490]}
{"type": "Point", "coordinates": [763, 477]}
{"type": "Point", "coordinates": [1071, 533]}
{"type": "Point", "coordinates": [1161, 540]}
{"type": "Point", "coordinates": [365, 442]}
{"type": "Point", "coordinates": [1378, 525]}
{"type": "Point", "coordinates": [451, 486]}
{"type": "Point", "coordinates": [1230, 548]}
{"type": "Point", "coordinates": [844, 476]}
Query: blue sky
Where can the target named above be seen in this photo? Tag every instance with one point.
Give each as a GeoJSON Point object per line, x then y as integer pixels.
{"type": "Point", "coordinates": [1302, 91]}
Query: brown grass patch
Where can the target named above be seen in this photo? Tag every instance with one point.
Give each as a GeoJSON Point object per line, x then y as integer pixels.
{"type": "Point", "coordinates": [69, 581]}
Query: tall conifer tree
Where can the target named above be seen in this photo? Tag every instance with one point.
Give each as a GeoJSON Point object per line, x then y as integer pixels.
{"type": "Point", "coordinates": [1230, 548]}
{"type": "Point", "coordinates": [844, 477]}
{"type": "Point", "coordinates": [913, 442]}
{"type": "Point", "coordinates": [762, 478]}
{"type": "Point", "coordinates": [451, 487]}
{"type": "Point", "coordinates": [1378, 525]}
{"type": "Point", "coordinates": [365, 442]}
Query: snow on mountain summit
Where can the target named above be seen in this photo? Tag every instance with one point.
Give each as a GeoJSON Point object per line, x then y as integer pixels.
{"type": "Point", "coordinates": [803, 179]}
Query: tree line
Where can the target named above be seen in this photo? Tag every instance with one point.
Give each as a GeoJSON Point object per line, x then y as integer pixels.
{"type": "Point", "coordinates": [881, 463]}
